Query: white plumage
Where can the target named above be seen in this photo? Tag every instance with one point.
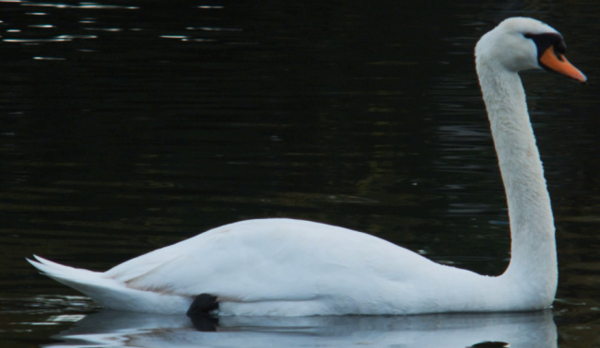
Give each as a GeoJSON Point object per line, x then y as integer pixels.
{"type": "Point", "coordinates": [286, 267]}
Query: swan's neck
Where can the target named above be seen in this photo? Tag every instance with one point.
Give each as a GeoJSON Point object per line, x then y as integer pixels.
{"type": "Point", "coordinates": [533, 266]}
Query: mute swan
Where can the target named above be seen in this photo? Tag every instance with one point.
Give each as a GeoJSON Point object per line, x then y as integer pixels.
{"type": "Point", "coordinates": [285, 267]}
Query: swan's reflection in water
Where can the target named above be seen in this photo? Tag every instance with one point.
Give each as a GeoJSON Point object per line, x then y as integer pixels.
{"type": "Point", "coordinates": [119, 329]}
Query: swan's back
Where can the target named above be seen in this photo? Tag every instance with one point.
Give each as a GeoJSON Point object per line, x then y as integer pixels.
{"type": "Point", "coordinates": [279, 258]}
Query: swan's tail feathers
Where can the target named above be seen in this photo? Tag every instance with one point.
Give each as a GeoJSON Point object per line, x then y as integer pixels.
{"type": "Point", "coordinates": [93, 284]}
{"type": "Point", "coordinates": [109, 292]}
{"type": "Point", "coordinates": [73, 277]}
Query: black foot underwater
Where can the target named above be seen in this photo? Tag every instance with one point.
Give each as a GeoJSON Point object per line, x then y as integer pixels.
{"type": "Point", "coordinates": [203, 304]}
{"type": "Point", "coordinates": [200, 312]}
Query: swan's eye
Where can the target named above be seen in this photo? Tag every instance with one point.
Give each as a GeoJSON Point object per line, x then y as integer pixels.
{"type": "Point", "coordinates": [560, 47]}
{"type": "Point", "coordinates": [546, 40]}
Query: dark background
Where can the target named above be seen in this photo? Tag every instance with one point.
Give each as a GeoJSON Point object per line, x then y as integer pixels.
{"type": "Point", "coordinates": [129, 125]}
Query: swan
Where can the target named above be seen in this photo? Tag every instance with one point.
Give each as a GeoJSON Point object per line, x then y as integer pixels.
{"type": "Point", "coordinates": [286, 267]}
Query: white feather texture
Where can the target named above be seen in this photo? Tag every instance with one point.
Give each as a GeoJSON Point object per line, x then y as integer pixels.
{"type": "Point", "coordinates": [284, 267]}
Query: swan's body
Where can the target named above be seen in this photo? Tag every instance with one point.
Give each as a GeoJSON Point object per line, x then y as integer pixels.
{"type": "Point", "coordinates": [289, 267]}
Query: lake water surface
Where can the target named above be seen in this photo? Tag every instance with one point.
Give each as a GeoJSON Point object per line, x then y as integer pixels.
{"type": "Point", "coordinates": [126, 126]}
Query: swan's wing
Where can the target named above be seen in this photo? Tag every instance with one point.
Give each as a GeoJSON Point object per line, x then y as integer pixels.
{"type": "Point", "coordinates": [273, 259]}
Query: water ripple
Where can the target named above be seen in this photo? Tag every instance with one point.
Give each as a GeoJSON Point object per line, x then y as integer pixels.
{"type": "Point", "coordinates": [82, 5]}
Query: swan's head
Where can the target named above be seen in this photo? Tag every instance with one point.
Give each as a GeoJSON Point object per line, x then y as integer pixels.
{"type": "Point", "coordinates": [520, 43]}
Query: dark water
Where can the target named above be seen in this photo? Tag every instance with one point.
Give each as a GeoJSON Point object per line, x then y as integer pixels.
{"type": "Point", "coordinates": [129, 125]}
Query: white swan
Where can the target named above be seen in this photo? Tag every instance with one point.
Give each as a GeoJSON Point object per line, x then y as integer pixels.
{"type": "Point", "coordinates": [289, 267]}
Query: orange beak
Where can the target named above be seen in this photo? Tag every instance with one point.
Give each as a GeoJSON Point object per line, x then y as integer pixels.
{"type": "Point", "coordinates": [561, 65]}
